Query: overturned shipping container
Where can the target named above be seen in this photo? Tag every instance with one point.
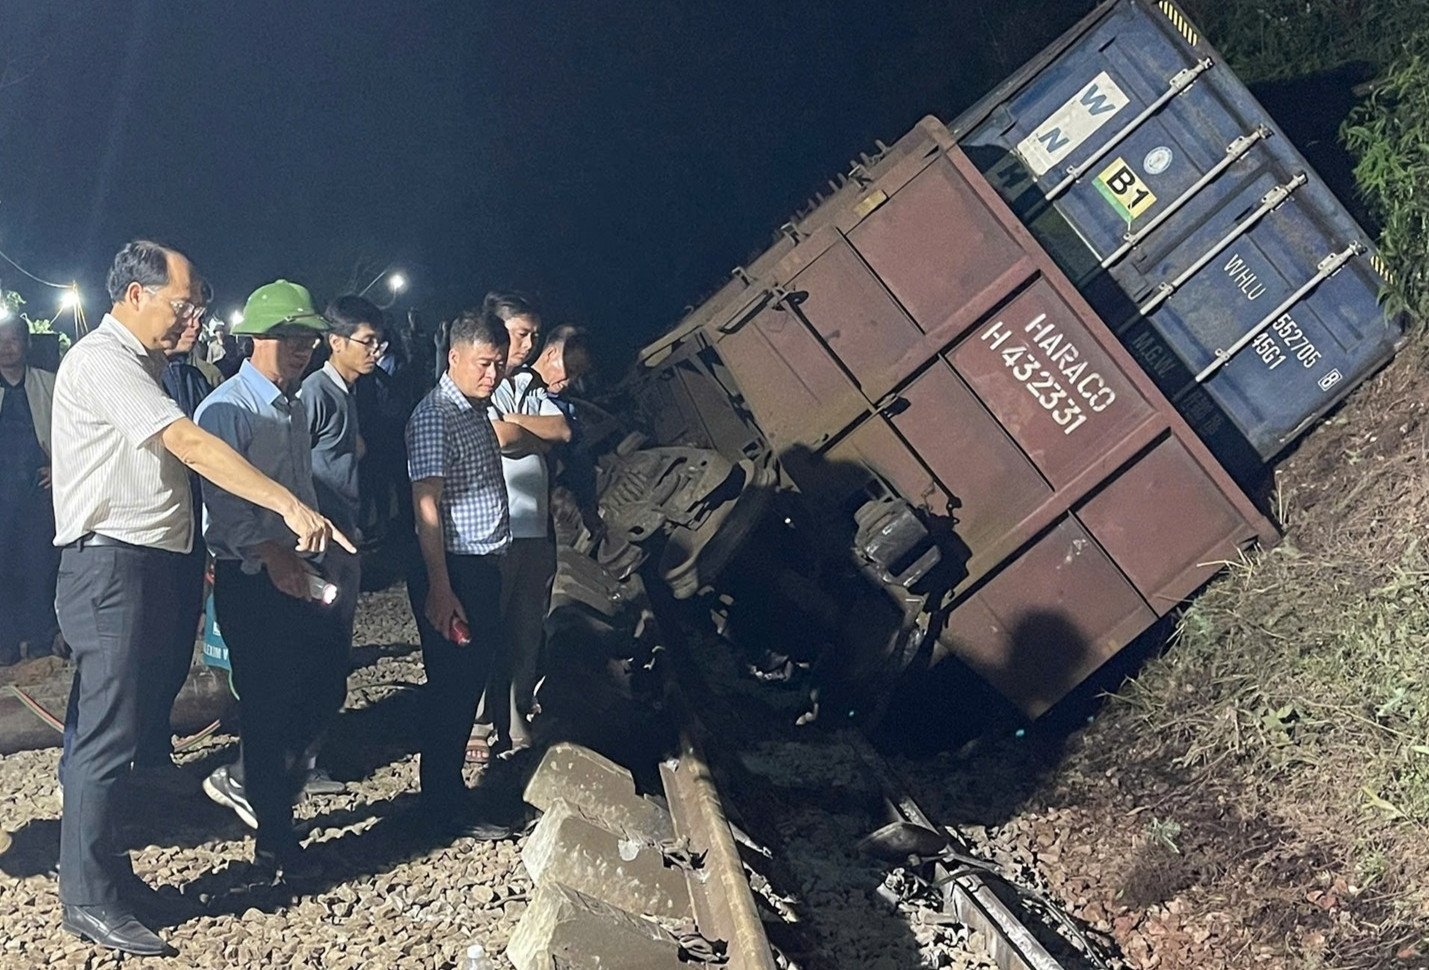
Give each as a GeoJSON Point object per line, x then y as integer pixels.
{"type": "Point", "coordinates": [1190, 223]}
{"type": "Point", "coordinates": [960, 424]}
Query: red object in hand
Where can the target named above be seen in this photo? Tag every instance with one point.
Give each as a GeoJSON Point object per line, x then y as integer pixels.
{"type": "Point", "coordinates": [460, 633]}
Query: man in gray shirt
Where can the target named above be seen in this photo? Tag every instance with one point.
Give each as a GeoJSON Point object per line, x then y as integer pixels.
{"type": "Point", "coordinates": [354, 344]}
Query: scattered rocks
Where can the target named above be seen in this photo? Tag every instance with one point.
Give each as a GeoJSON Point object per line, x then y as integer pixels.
{"type": "Point", "coordinates": [386, 901]}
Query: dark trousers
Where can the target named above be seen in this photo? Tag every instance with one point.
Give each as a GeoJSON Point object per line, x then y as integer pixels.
{"type": "Point", "coordinates": [116, 609]}
{"type": "Point", "coordinates": [528, 571]}
{"type": "Point", "coordinates": [156, 736]}
{"type": "Point", "coordinates": [344, 570]}
{"type": "Point", "coordinates": [170, 670]}
{"type": "Point", "coordinates": [27, 570]}
{"type": "Point", "coordinates": [456, 675]}
{"type": "Point", "coordinates": [290, 671]}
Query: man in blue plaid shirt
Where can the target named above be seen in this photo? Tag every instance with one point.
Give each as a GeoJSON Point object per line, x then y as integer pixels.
{"type": "Point", "coordinates": [463, 527]}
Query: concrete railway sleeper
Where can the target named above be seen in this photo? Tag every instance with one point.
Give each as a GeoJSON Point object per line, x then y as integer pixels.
{"type": "Point", "coordinates": [625, 879]}
{"type": "Point", "coordinates": [930, 858]}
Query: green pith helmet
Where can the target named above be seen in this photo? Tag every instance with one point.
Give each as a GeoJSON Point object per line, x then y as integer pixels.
{"type": "Point", "coordinates": [278, 307]}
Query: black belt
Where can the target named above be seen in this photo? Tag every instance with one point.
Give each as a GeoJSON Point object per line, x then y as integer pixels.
{"type": "Point", "coordinates": [90, 539]}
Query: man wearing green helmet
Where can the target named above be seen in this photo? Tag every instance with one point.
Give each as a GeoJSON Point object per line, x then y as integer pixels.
{"type": "Point", "coordinates": [285, 643]}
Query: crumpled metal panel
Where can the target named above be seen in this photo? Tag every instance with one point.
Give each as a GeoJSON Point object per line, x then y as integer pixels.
{"type": "Point", "coordinates": [580, 580]}
{"type": "Point", "coordinates": [649, 488]}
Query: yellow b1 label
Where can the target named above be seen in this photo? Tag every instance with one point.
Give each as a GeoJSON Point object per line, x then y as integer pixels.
{"type": "Point", "coordinates": [1123, 188]}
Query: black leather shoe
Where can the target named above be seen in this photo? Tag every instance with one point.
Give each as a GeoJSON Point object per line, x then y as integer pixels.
{"type": "Point", "coordinates": [115, 928]}
{"type": "Point", "coordinates": [482, 831]}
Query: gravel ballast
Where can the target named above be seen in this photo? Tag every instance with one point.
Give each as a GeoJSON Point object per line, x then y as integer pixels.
{"type": "Point", "coordinates": [386, 898]}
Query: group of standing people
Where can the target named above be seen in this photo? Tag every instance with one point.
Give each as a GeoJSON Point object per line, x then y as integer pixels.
{"type": "Point", "coordinates": [27, 521]}
{"type": "Point", "coordinates": [271, 457]}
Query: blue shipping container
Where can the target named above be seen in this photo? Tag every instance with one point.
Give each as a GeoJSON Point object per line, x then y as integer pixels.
{"type": "Point", "coordinates": [1191, 223]}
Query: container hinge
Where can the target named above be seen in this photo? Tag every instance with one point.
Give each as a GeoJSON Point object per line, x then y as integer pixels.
{"type": "Point", "coordinates": [1179, 82]}
{"type": "Point", "coordinates": [1326, 268]}
{"type": "Point", "coordinates": [887, 403]}
{"type": "Point", "coordinates": [792, 231]}
{"type": "Point", "coordinates": [750, 310]}
{"type": "Point", "coordinates": [1268, 203]}
{"type": "Point", "coordinates": [1234, 152]}
{"type": "Point", "coordinates": [741, 274]}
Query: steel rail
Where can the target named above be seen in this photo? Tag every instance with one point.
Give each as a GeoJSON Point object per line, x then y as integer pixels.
{"type": "Point", "coordinates": [1010, 943]}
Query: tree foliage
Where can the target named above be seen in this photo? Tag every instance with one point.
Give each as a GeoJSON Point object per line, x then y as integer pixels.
{"type": "Point", "coordinates": [11, 302]}
{"type": "Point", "coordinates": [1389, 136]}
{"type": "Point", "coordinates": [1272, 40]}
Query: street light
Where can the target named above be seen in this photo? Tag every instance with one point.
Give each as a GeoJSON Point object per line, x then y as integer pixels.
{"type": "Point", "coordinates": [4, 312]}
{"type": "Point", "coordinates": [69, 299]}
{"type": "Point", "coordinates": [396, 283]}
{"type": "Point", "coordinates": [235, 318]}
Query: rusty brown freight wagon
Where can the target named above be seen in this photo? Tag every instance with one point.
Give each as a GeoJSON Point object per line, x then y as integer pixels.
{"type": "Point", "coordinates": [960, 427]}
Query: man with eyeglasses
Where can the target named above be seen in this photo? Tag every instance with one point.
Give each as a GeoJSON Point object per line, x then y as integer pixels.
{"type": "Point", "coordinates": [354, 343]}
{"type": "Point", "coordinates": [285, 645]}
{"type": "Point", "coordinates": [124, 519]}
{"type": "Point", "coordinates": [153, 759]}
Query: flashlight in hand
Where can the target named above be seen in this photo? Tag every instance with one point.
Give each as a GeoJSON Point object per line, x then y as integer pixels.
{"type": "Point", "coordinates": [321, 590]}
{"type": "Point", "coordinates": [460, 633]}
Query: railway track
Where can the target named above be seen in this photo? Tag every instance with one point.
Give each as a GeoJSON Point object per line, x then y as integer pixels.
{"type": "Point", "coordinates": [921, 856]}
{"type": "Point", "coordinates": [697, 871]}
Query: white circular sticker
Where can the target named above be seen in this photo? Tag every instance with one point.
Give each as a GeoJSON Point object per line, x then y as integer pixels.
{"type": "Point", "coordinates": [1157, 160]}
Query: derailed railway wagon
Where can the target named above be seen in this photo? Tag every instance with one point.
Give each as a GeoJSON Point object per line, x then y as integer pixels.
{"type": "Point", "coordinates": [967, 461]}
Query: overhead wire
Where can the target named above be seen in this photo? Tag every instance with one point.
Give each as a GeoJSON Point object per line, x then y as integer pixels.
{"type": "Point", "coordinates": [58, 286]}
{"type": "Point", "coordinates": [81, 323]}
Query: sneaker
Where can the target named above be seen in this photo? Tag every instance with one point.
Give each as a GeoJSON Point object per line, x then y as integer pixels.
{"type": "Point", "coordinates": [321, 783]}
{"type": "Point", "coordinates": [223, 789]}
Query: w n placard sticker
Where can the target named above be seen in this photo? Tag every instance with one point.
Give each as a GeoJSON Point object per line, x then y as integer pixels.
{"type": "Point", "coordinates": [1122, 187]}
{"type": "Point", "coordinates": [1073, 123]}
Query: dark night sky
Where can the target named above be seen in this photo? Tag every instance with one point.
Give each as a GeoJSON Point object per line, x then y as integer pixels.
{"type": "Point", "coordinates": [616, 158]}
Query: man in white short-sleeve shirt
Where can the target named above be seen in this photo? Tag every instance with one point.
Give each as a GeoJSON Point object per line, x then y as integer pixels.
{"type": "Point", "coordinates": [527, 424]}
{"type": "Point", "coordinates": [124, 517]}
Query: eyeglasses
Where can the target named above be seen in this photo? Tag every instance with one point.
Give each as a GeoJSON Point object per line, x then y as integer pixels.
{"type": "Point", "coordinates": [374, 346]}
{"type": "Point", "coordinates": [184, 309]}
